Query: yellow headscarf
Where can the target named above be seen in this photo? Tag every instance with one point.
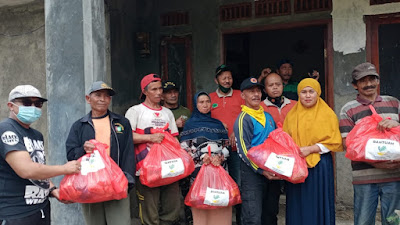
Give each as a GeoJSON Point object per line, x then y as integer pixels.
{"type": "Point", "coordinates": [309, 126]}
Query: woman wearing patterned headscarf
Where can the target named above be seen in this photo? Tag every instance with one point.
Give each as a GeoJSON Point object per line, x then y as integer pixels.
{"type": "Point", "coordinates": [200, 132]}
{"type": "Point", "coordinates": [314, 127]}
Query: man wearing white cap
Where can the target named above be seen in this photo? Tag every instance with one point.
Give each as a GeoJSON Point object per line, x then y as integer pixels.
{"type": "Point", "coordinates": [24, 177]}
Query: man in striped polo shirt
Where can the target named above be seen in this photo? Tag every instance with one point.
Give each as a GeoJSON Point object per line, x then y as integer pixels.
{"type": "Point", "coordinates": [372, 181]}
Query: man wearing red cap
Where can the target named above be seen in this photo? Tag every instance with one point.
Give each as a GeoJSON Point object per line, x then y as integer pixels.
{"type": "Point", "coordinates": [158, 205]}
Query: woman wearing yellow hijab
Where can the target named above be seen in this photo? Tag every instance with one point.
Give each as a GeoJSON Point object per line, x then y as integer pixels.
{"type": "Point", "coordinates": [314, 127]}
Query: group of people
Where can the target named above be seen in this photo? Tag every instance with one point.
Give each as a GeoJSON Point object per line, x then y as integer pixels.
{"type": "Point", "coordinates": [228, 122]}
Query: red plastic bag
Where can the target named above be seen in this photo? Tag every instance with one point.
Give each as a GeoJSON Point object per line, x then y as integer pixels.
{"type": "Point", "coordinates": [366, 143]}
{"type": "Point", "coordinates": [213, 188]}
{"type": "Point", "coordinates": [280, 155]}
{"type": "Point", "coordinates": [166, 162]}
{"type": "Point", "coordinates": [100, 179]}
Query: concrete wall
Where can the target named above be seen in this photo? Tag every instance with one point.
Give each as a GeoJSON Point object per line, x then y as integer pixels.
{"type": "Point", "coordinates": [15, 2]}
{"type": "Point", "coordinates": [22, 54]}
{"type": "Point", "coordinates": [349, 41]}
{"type": "Point", "coordinates": [122, 16]}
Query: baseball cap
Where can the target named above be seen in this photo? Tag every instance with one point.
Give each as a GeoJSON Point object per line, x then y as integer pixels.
{"type": "Point", "coordinates": [363, 70]}
{"type": "Point", "coordinates": [221, 68]}
{"type": "Point", "coordinates": [249, 83]}
{"type": "Point", "coordinates": [146, 80]}
{"type": "Point", "coordinates": [100, 85]}
{"type": "Point", "coordinates": [23, 91]}
{"type": "Point", "coordinates": [169, 85]}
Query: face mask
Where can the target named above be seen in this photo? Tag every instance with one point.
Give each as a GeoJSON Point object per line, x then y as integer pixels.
{"type": "Point", "coordinates": [28, 114]}
{"type": "Point", "coordinates": [223, 89]}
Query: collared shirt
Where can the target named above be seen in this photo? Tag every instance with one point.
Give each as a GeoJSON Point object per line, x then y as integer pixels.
{"type": "Point", "coordinates": [290, 90]}
{"type": "Point", "coordinates": [278, 113]}
{"type": "Point", "coordinates": [226, 108]}
{"type": "Point", "coordinates": [350, 114]}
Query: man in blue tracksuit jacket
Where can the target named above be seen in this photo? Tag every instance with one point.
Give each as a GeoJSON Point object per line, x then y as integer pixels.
{"type": "Point", "coordinates": [251, 128]}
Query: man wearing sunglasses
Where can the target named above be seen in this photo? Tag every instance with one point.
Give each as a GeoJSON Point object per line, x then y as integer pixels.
{"type": "Point", "coordinates": [24, 177]}
{"type": "Point", "coordinates": [115, 131]}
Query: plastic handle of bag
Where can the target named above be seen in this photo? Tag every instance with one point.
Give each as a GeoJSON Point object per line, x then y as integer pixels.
{"type": "Point", "coordinates": [372, 110]}
{"type": "Point", "coordinates": [159, 130]}
{"type": "Point", "coordinates": [375, 115]}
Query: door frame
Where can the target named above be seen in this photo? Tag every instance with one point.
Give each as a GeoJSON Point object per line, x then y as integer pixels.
{"type": "Point", "coordinates": [372, 26]}
{"type": "Point", "coordinates": [328, 47]}
{"type": "Point", "coordinates": [187, 41]}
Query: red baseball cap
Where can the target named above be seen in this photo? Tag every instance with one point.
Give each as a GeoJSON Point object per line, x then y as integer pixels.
{"type": "Point", "coordinates": [146, 80]}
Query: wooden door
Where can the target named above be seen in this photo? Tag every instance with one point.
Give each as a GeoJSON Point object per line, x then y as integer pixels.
{"type": "Point", "coordinates": [176, 65]}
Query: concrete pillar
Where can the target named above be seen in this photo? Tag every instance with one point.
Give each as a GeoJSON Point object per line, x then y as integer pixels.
{"type": "Point", "coordinates": [75, 57]}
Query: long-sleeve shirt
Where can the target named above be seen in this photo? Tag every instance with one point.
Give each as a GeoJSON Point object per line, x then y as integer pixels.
{"type": "Point", "coordinates": [249, 133]}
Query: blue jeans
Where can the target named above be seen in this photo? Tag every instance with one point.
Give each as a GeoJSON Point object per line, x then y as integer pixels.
{"type": "Point", "coordinates": [366, 197]}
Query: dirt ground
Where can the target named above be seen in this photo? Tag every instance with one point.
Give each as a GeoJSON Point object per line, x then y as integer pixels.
{"type": "Point", "coordinates": [344, 215]}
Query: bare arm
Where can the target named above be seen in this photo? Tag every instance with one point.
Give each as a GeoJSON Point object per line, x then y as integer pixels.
{"type": "Point", "coordinates": [22, 164]}
{"type": "Point", "coordinates": [344, 144]}
{"type": "Point", "coordinates": [306, 150]}
{"type": "Point", "coordinates": [147, 138]}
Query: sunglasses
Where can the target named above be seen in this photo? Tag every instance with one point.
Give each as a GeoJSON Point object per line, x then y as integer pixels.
{"type": "Point", "coordinates": [29, 102]}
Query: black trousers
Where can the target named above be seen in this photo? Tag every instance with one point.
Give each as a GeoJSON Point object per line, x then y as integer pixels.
{"type": "Point", "coordinates": [41, 217]}
{"type": "Point", "coordinates": [260, 198]}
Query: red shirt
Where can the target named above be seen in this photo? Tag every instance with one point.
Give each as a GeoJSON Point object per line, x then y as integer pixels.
{"type": "Point", "coordinates": [226, 108]}
{"type": "Point", "coordinates": [279, 114]}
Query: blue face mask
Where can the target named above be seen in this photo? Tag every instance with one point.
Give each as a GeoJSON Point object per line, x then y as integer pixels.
{"type": "Point", "coordinates": [28, 114]}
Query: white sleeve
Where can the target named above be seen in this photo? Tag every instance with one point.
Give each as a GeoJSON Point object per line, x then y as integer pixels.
{"type": "Point", "coordinates": [132, 115]}
{"type": "Point", "coordinates": [172, 124]}
{"type": "Point", "coordinates": [323, 149]}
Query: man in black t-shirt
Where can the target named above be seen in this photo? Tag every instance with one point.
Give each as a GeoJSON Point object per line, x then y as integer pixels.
{"type": "Point", "coordinates": [24, 177]}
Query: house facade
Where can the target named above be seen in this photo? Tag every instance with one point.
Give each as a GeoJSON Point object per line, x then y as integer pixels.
{"type": "Point", "coordinates": [61, 47]}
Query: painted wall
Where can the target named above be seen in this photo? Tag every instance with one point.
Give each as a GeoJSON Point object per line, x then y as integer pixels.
{"type": "Point", "coordinates": [349, 41]}
{"type": "Point", "coordinates": [22, 54]}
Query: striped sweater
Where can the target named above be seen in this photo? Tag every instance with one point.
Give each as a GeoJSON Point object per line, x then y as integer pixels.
{"type": "Point", "coordinates": [350, 114]}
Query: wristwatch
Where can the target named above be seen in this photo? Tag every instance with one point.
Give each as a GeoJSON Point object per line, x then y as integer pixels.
{"type": "Point", "coordinates": [51, 190]}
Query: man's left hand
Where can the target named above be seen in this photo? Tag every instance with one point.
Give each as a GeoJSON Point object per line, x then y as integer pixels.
{"type": "Point", "coordinates": [270, 176]}
{"type": "Point", "coordinates": [232, 140]}
{"type": "Point", "coordinates": [386, 124]}
{"type": "Point", "coordinates": [56, 194]}
{"type": "Point", "coordinates": [180, 122]}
